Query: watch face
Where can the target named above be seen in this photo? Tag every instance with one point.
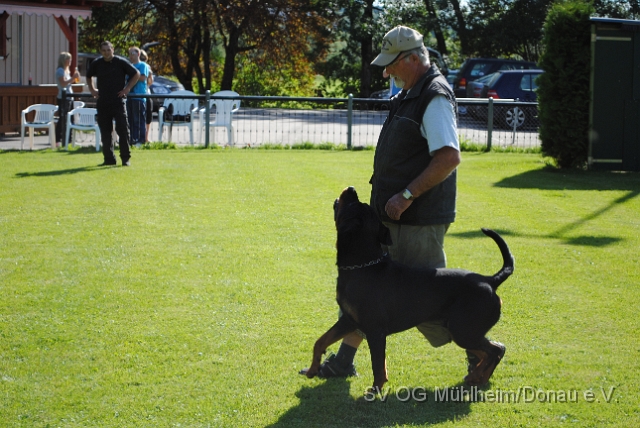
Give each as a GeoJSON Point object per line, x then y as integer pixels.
{"type": "Point", "coordinates": [407, 194]}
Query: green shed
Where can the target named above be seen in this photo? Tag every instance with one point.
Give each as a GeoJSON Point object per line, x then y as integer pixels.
{"type": "Point", "coordinates": [614, 111]}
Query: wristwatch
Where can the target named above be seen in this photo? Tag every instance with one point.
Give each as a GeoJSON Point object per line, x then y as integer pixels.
{"type": "Point", "coordinates": [407, 195]}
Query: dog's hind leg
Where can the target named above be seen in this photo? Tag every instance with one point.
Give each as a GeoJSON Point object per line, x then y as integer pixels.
{"type": "Point", "coordinates": [339, 330]}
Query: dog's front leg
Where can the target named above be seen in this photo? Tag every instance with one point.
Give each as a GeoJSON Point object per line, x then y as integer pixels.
{"type": "Point", "coordinates": [377, 347]}
{"type": "Point", "coordinates": [339, 330]}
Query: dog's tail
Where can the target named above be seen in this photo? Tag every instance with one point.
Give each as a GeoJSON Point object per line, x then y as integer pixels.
{"type": "Point", "coordinates": [508, 260]}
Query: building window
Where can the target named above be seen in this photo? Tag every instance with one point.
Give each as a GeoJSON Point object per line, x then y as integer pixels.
{"type": "Point", "coordinates": [3, 34]}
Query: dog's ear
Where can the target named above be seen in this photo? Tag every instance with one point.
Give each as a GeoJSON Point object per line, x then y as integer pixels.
{"type": "Point", "coordinates": [384, 235]}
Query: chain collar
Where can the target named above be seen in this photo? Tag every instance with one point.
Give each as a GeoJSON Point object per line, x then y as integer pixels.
{"type": "Point", "coordinates": [364, 265]}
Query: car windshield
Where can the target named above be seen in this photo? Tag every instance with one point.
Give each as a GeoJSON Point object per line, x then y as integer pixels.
{"type": "Point", "coordinates": [159, 89]}
{"type": "Point", "coordinates": [480, 69]}
{"type": "Point", "coordinates": [487, 78]}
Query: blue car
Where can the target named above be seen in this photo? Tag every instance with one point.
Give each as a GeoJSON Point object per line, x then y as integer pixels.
{"type": "Point", "coordinates": [519, 85]}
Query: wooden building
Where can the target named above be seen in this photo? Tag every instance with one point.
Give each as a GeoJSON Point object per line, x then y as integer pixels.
{"type": "Point", "coordinates": [32, 35]}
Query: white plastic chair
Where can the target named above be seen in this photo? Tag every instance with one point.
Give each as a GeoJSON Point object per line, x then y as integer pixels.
{"type": "Point", "coordinates": [183, 113]}
{"type": "Point", "coordinates": [224, 113]}
{"type": "Point", "coordinates": [84, 119]}
{"type": "Point", "coordinates": [43, 119]}
{"type": "Point", "coordinates": [76, 104]}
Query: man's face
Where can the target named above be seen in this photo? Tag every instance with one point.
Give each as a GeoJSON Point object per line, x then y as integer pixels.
{"type": "Point", "coordinates": [398, 69]}
{"type": "Point", "coordinates": [107, 52]}
{"type": "Point", "coordinates": [134, 56]}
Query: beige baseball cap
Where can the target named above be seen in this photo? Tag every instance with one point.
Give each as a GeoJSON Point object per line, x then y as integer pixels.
{"type": "Point", "coordinates": [398, 40]}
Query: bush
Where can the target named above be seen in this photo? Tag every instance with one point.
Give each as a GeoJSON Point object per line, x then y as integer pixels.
{"type": "Point", "coordinates": [563, 92]}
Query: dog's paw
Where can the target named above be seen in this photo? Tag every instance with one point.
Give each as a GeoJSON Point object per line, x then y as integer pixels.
{"type": "Point", "coordinates": [308, 372]}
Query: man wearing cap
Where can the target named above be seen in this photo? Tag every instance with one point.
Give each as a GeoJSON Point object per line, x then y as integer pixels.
{"type": "Point", "coordinates": [414, 174]}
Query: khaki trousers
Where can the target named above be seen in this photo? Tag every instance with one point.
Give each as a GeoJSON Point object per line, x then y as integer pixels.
{"type": "Point", "coordinates": [421, 247]}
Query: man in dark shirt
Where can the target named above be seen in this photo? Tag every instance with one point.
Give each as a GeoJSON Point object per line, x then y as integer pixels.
{"type": "Point", "coordinates": [111, 72]}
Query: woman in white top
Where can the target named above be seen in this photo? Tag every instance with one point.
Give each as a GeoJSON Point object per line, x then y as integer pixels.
{"type": "Point", "coordinates": [64, 79]}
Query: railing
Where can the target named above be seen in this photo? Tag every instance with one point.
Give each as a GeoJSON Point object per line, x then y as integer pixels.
{"type": "Point", "coordinates": [503, 123]}
{"type": "Point", "coordinates": [14, 99]}
{"type": "Point", "coordinates": [352, 122]}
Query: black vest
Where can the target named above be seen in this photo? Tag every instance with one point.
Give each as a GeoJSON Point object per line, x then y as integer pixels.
{"type": "Point", "coordinates": [402, 153]}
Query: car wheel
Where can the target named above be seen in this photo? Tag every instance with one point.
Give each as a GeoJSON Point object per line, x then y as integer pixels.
{"type": "Point", "coordinates": [514, 116]}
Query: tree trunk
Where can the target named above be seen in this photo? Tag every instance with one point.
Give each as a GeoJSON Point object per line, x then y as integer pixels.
{"type": "Point", "coordinates": [206, 59]}
{"type": "Point", "coordinates": [230, 50]}
{"type": "Point", "coordinates": [435, 23]}
{"type": "Point", "coordinates": [462, 28]}
{"type": "Point", "coordinates": [366, 53]}
{"type": "Point", "coordinates": [174, 48]}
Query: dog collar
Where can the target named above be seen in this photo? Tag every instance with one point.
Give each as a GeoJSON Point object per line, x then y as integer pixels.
{"type": "Point", "coordinates": [364, 265]}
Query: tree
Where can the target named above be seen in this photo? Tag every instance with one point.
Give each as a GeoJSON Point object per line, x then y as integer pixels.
{"type": "Point", "coordinates": [122, 24]}
{"type": "Point", "coordinates": [187, 38]}
{"type": "Point", "coordinates": [354, 25]}
{"type": "Point", "coordinates": [622, 9]}
{"type": "Point", "coordinates": [563, 89]}
{"type": "Point", "coordinates": [276, 32]}
{"type": "Point", "coordinates": [503, 28]}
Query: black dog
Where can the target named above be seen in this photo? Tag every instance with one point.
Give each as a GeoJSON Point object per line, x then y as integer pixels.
{"type": "Point", "coordinates": [380, 297]}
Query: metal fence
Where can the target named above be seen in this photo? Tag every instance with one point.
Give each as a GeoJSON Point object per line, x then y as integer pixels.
{"type": "Point", "coordinates": [352, 122]}
{"type": "Point", "coordinates": [498, 123]}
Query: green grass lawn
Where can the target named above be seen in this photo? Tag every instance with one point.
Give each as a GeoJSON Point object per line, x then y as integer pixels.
{"type": "Point", "coordinates": [188, 290]}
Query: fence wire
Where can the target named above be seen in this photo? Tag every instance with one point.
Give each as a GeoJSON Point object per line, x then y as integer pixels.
{"type": "Point", "coordinates": [284, 121]}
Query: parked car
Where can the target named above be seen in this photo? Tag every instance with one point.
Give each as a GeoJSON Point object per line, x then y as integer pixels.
{"type": "Point", "coordinates": [520, 85]}
{"type": "Point", "coordinates": [384, 94]}
{"type": "Point", "coordinates": [436, 58]}
{"type": "Point", "coordinates": [451, 77]}
{"type": "Point", "coordinates": [475, 68]}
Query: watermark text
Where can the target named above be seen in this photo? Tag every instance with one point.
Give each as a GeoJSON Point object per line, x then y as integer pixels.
{"type": "Point", "coordinates": [524, 394]}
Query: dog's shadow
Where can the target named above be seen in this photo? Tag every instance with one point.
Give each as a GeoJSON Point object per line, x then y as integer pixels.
{"type": "Point", "coordinates": [330, 403]}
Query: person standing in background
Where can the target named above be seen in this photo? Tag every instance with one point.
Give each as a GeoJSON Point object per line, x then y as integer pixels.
{"type": "Point", "coordinates": [144, 58]}
{"type": "Point", "coordinates": [64, 79]}
{"type": "Point", "coordinates": [112, 72]}
{"type": "Point", "coordinates": [137, 107]}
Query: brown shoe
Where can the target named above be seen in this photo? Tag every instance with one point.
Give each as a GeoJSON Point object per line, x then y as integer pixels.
{"type": "Point", "coordinates": [489, 358]}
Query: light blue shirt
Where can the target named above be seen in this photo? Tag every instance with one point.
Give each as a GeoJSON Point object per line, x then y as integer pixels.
{"type": "Point", "coordinates": [141, 87]}
{"type": "Point", "coordinates": [439, 125]}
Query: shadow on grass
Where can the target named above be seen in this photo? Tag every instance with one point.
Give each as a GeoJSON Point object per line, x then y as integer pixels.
{"type": "Point", "coordinates": [583, 241]}
{"type": "Point", "coordinates": [62, 171]}
{"type": "Point", "coordinates": [331, 404]}
{"type": "Point", "coordinates": [549, 178]}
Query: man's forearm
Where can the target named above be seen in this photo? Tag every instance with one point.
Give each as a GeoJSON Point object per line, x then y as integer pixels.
{"type": "Point", "coordinates": [445, 161]}
{"type": "Point", "coordinates": [441, 166]}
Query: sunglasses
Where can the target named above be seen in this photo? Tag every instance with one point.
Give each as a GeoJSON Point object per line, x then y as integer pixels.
{"type": "Point", "coordinates": [397, 60]}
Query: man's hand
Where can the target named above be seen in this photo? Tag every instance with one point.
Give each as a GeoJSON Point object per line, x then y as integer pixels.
{"type": "Point", "coordinates": [396, 206]}
{"type": "Point", "coordinates": [123, 93]}
{"type": "Point", "coordinates": [94, 92]}
{"type": "Point", "coordinates": [443, 163]}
